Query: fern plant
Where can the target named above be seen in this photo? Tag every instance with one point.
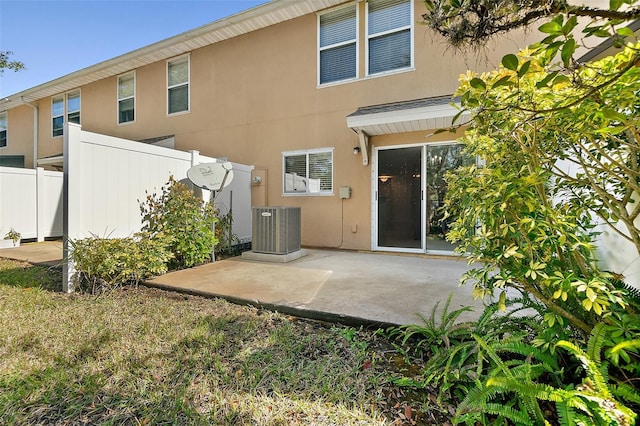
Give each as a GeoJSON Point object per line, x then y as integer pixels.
{"type": "Point", "coordinates": [593, 401]}
{"type": "Point", "coordinates": [454, 361]}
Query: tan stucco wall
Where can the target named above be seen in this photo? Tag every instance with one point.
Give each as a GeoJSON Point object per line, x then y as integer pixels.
{"type": "Point", "coordinates": [256, 95]}
{"type": "Point", "coordinates": [20, 134]}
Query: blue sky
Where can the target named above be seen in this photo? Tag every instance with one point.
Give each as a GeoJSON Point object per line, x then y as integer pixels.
{"type": "Point", "coordinates": [57, 37]}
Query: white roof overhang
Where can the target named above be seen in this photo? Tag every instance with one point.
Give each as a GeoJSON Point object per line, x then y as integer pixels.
{"type": "Point", "coordinates": [402, 117]}
{"type": "Point", "coordinates": [259, 17]}
{"type": "Point", "coordinates": [56, 161]}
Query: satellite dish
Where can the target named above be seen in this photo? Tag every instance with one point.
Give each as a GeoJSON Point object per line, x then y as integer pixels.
{"type": "Point", "coordinates": [211, 176]}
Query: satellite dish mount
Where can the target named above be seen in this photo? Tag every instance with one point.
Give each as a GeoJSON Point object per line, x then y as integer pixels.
{"type": "Point", "coordinates": [212, 177]}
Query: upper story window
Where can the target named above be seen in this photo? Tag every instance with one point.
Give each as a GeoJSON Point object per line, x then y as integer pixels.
{"type": "Point", "coordinates": [3, 129]}
{"type": "Point", "coordinates": [338, 45]}
{"type": "Point", "coordinates": [64, 107]}
{"type": "Point", "coordinates": [178, 85]}
{"type": "Point", "coordinates": [388, 35]}
{"type": "Point", "coordinates": [126, 98]}
{"type": "Point", "coordinates": [308, 172]}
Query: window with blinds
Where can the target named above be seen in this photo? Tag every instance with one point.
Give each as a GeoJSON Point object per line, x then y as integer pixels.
{"type": "Point", "coordinates": [178, 85]}
{"type": "Point", "coordinates": [308, 172]}
{"type": "Point", "coordinates": [389, 35]}
{"type": "Point", "coordinates": [338, 45]}
{"type": "Point", "coordinates": [126, 98]}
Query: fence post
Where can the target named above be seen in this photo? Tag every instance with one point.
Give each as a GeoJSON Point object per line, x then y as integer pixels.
{"type": "Point", "coordinates": [40, 204]}
{"type": "Point", "coordinates": [72, 222]}
{"type": "Point", "coordinates": [195, 154]}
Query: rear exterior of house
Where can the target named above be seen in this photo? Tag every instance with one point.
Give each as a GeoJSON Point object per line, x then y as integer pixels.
{"type": "Point", "coordinates": [334, 103]}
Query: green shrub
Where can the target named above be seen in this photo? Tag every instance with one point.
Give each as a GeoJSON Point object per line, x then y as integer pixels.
{"type": "Point", "coordinates": [183, 221]}
{"type": "Point", "coordinates": [107, 263]}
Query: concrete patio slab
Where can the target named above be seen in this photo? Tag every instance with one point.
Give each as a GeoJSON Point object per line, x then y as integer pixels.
{"type": "Point", "coordinates": [355, 288]}
{"type": "Point", "coordinates": [345, 286]}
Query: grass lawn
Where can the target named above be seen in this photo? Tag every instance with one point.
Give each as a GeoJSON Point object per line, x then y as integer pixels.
{"type": "Point", "coordinates": [145, 357]}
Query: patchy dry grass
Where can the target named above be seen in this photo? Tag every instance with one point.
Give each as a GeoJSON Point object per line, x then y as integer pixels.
{"type": "Point", "coordinates": [146, 356]}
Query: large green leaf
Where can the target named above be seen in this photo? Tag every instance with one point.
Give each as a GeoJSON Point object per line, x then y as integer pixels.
{"type": "Point", "coordinates": [510, 62]}
{"type": "Point", "coordinates": [551, 27]}
{"type": "Point", "coordinates": [567, 51]}
{"type": "Point", "coordinates": [478, 83]}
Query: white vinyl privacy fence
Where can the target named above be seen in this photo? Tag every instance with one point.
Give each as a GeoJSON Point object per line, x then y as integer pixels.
{"type": "Point", "coordinates": [106, 178]}
{"type": "Point", "coordinates": [31, 202]}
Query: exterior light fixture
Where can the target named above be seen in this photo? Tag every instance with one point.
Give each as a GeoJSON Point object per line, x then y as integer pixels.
{"type": "Point", "coordinates": [356, 150]}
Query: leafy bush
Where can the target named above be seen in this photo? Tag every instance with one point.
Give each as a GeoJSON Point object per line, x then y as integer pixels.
{"type": "Point", "coordinates": [181, 220]}
{"type": "Point", "coordinates": [107, 263]}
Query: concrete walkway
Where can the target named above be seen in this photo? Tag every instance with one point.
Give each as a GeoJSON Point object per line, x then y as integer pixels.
{"type": "Point", "coordinates": [354, 288]}
{"type": "Point", "coordinates": [44, 253]}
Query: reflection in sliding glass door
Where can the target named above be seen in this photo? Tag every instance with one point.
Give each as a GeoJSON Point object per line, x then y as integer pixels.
{"type": "Point", "coordinates": [440, 160]}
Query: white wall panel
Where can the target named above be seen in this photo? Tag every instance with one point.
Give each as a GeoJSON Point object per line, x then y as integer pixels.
{"type": "Point", "coordinates": [18, 201]}
{"type": "Point", "coordinates": [31, 202]}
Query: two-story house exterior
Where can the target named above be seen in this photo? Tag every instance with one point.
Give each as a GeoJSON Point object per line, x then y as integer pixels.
{"type": "Point", "coordinates": [334, 102]}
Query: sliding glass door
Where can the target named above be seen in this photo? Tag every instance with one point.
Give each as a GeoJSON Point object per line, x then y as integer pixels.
{"type": "Point", "coordinates": [400, 198]}
{"type": "Point", "coordinates": [409, 197]}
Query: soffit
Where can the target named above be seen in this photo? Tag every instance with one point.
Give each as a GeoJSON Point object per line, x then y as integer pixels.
{"type": "Point", "coordinates": [406, 116]}
{"type": "Point", "coordinates": [263, 16]}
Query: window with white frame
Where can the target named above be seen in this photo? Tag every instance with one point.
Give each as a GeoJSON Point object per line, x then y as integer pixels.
{"type": "Point", "coordinates": [389, 35]}
{"type": "Point", "coordinates": [308, 172]}
{"type": "Point", "coordinates": [338, 50]}
{"type": "Point", "coordinates": [126, 98]}
{"type": "Point", "coordinates": [57, 115]}
{"type": "Point", "coordinates": [65, 107]}
{"type": "Point", "coordinates": [178, 85]}
{"type": "Point", "coordinates": [3, 129]}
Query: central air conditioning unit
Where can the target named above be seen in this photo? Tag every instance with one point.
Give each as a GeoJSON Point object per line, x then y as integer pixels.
{"type": "Point", "coordinates": [276, 230]}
